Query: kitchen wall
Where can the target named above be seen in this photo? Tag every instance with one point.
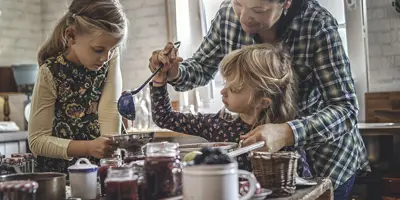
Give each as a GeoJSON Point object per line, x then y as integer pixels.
{"type": "Point", "coordinates": [24, 24]}
{"type": "Point", "coordinates": [384, 46]}
{"type": "Point", "coordinates": [20, 37]}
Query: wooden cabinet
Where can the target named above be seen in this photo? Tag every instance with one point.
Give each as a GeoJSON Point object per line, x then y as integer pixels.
{"type": "Point", "coordinates": [382, 107]}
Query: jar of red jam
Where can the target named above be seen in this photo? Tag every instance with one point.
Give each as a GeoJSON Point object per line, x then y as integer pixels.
{"type": "Point", "coordinates": [162, 170]}
{"type": "Point", "coordinates": [122, 184]}
{"type": "Point", "coordinates": [105, 164]}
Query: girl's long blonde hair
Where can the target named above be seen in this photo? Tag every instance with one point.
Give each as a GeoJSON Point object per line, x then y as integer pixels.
{"type": "Point", "coordinates": [266, 69]}
{"type": "Point", "coordinates": [88, 16]}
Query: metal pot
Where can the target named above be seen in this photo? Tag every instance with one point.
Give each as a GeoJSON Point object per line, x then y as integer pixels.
{"type": "Point", "coordinates": [51, 185]}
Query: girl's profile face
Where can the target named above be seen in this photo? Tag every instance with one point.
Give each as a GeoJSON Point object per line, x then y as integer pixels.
{"type": "Point", "coordinates": [92, 50]}
{"type": "Point", "coordinates": [236, 99]}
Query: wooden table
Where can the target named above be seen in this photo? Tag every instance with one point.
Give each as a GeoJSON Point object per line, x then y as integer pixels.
{"type": "Point", "coordinates": [322, 191]}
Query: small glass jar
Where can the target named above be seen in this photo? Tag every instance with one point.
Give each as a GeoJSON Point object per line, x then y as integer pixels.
{"type": "Point", "coordinates": [162, 170]}
{"type": "Point", "coordinates": [105, 164]}
{"type": "Point", "coordinates": [29, 164]}
{"type": "Point", "coordinates": [138, 169]}
{"type": "Point", "coordinates": [122, 184]}
{"type": "Point", "coordinates": [21, 189]}
{"type": "Point", "coordinates": [18, 163]}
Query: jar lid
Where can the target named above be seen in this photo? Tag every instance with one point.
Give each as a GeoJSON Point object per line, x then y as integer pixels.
{"type": "Point", "coordinates": [28, 186]}
{"type": "Point", "coordinates": [83, 168]}
{"type": "Point", "coordinates": [23, 155]}
{"type": "Point", "coordinates": [156, 149]}
{"type": "Point", "coordinates": [15, 160]}
{"type": "Point", "coordinates": [110, 161]}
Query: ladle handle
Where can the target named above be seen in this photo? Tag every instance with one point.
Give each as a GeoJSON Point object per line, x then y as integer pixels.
{"type": "Point", "coordinates": [147, 81]}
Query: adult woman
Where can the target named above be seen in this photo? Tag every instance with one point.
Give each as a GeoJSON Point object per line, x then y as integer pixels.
{"type": "Point", "coordinates": [328, 106]}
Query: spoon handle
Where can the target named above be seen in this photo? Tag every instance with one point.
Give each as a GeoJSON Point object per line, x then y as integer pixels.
{"type": "Point", "coordinates": [147, 81]}
{"type": "Point", "coordinates": [242, 150]}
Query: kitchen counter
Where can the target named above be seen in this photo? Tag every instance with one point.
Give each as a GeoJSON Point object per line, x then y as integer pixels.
{"type": "Point", "coordinates": [13, 136]}
{"type": "Point", "coordinates": [13, 142]}
{"type": "Point", "coordinates": [379, 128]}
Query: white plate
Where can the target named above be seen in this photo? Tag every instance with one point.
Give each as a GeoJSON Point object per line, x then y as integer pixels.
{"type": "Point", "coordinates": [264, 193]}
{"type": "Point", "coordinates": [197, 146]}
{"type": "Point", "coordinates": [27, 111]}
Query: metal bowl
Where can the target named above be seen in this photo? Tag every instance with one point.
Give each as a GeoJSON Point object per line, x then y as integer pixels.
{"type": "Point", "coordinates": [134, 141]}
{"type": "Point", "coordinates": [51, 185]}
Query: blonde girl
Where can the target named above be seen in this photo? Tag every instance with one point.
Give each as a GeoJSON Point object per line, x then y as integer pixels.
{"type": "Point", "coordinates": [260, 86]}
{"type": "Point", "coordinates": [79, 81]}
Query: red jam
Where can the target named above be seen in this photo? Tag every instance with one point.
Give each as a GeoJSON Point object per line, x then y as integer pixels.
{"type": "Point", "coordinates": [122, 190]}
{"type": "Point", "coordinates": [102, 173]}
{"type": "Point", "coordinates": [106, 163]}
{"type": "Point", "coordinates": [163, 177]}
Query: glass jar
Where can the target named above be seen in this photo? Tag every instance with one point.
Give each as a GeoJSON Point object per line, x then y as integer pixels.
{"type": "Point", "coordinates": [138, 169]}
{"type": "Point", "coordinates": [29, 164]}
{"type": "Point", "coordinates": [122, 184]}
{"type": "Point", "coordinates": [105, 164]}
{"type": "Point", "coordinates": [18, 189]}
{"type": "Point", "coordinates": [162, 170]}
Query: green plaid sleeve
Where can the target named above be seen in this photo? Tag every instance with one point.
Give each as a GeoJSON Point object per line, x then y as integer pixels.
{"type": "Point", "coordinates": [333, 76]}
{"type": "Point", "coordinates": [203, 65]}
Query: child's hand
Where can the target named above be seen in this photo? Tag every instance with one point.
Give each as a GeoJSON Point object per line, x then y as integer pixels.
{"type": "Point", "coordinates": [160, 79]}
{"type": "Point", "coordinates": [102, 147]}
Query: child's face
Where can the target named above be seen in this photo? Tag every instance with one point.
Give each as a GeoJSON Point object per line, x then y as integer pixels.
{"type": "Point", "coordinates": [235, 100]}
{"type": "Point", "coordinates": [93, 51]}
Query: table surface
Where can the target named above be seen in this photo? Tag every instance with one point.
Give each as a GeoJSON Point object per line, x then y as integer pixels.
{"type": "Point", "coordinates": [322, 191]}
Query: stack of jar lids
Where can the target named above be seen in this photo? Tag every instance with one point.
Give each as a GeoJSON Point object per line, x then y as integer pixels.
{"type": "Point", "coordinates": [27, 186]}
{"type": "Point", "coordinates": [23, 155]}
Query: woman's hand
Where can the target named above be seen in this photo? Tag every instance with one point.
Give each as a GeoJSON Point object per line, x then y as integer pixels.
{"type": "Point", "coordinates": [167, 57]}
{"type": "Point", "coordinates": [101, 147]}
{"type": "Point", "coordinates": [275, 136]}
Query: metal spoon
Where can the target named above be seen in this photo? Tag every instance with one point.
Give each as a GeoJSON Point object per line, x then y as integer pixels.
{"type": "Point", "coordinates": [242, 150]}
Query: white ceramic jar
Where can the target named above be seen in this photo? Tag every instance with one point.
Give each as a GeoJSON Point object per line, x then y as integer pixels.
{"type": "Point", "coordinates": [83, 179]}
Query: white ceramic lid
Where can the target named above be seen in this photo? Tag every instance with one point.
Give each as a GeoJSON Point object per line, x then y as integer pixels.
{"type": "Point", "coordinates": [86, 167]}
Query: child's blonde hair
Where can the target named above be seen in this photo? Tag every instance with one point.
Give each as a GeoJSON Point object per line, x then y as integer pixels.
{"type": "Point", "coordinates": [266, 69]}
{"type": "Point", "coordinates": [88, 16]}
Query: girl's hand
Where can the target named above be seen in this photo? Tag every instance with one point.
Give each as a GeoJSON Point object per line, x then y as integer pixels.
{"type": "Point", "coordinates": [101, 147]}
{"type": "Point", "coordinates": [160, 79]}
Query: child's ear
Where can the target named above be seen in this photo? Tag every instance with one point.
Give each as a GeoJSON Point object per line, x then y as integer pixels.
{"type": "Point", "coordinates": [266, 102]}
{"type": "Point", "coordinates": [70, 35]}
{"type": "Point", "coordinates": [287, 4]}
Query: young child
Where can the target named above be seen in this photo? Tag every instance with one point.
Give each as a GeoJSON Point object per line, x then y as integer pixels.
{"type": "Point", "coordinates": [260, 86]}
{"type": "Point", "coordinates": [78, 84]}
